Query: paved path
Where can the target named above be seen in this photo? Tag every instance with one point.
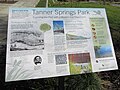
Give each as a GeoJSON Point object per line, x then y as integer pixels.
{"type": "Point", "coordinates": [4, 15]}
{"type": "Point", "coordinates": [21, 3]}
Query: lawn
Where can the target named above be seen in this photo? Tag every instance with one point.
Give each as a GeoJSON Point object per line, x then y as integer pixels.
{"type": "Point", "coordinates": [41, 3]}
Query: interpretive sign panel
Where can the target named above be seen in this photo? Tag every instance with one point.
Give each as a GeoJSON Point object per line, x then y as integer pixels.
{"type": "Point", "coordinates": [49, 42]}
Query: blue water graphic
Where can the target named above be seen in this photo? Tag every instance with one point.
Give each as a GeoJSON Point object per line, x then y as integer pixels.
{"type": "Point", "coordinates": [104, 51]}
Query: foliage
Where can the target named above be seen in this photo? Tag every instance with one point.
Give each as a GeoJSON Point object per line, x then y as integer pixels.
{"type": "Point", "coordinates": [41, 3]}
{"type": "Point", "coordinates": [83, 82]}
{"type": "Point", "coordinates": [75, 82]}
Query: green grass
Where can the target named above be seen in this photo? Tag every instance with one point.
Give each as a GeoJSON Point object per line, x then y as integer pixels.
{"type": "Point", "coordinates": [51, 1]}
{"type": "Point", "coordinates": [41, 3]}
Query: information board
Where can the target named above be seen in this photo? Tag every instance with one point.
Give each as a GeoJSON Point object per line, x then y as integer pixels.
{"type": "Point", "coordinates": [50, 42]}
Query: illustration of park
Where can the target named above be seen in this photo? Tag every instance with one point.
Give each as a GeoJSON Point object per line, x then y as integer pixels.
{"type": "Point", "coordinates": [75, 37]}
{"type": "Point", "coordinates": [26, 40]}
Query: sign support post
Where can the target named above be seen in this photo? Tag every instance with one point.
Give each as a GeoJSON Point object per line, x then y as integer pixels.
{"type": "Point", "coordinates": [61, 83]}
